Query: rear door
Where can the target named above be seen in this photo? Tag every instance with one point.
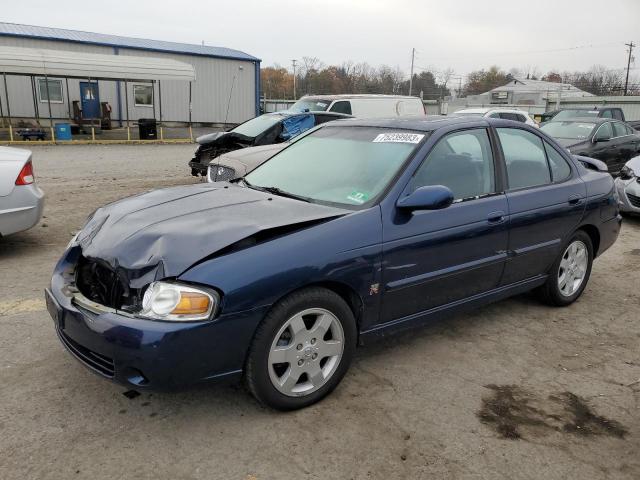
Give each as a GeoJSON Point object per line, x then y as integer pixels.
{"type": "Point", "coordinates": [626, 142]}
{"type": "Point", "coordinates": [546, 202]}
{"type": "Point", "coordinates": [605, 148]}
{"type": "Point", "coordinates": [433, 258]}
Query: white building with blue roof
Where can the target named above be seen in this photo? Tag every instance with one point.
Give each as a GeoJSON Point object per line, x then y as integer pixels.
{"type": "Point", "coordinates": [226, 89]}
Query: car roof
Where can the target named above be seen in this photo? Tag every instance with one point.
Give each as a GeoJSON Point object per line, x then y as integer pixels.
{"type": "Point", "coordinates": [577, 118]}
{"type": "Point", "coordinates": [490, 109]}
{"type": "Point", "coordinates": [355, 95]}
{"type": "Point", "coordinates": [423, 123]}
{"type": "Point", "coordinates": [291, 113]}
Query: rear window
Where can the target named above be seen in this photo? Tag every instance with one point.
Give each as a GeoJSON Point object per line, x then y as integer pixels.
{"type": "Point", "coordinates": [572, 113]}
{"type": "Point", "coordinates": [569, 130]}
{"type": "Point", "coordinates": [310, 105]}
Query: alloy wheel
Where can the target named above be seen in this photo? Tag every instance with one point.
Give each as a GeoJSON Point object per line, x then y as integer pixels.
{"type": "Point", "coordinates": [306, 352]}
{"type": "Point", "coordinates": [573, 268]}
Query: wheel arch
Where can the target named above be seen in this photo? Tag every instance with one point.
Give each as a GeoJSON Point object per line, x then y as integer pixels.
{"type": "Point", "coordinates": [594, 235]}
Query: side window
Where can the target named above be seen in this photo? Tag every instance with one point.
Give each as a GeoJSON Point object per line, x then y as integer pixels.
{"type": "Point", "coordinates": [619, 129]}
{"type": "Point", "coordinates": [341, 107]}
{"type": "Point", "coordinates": [525, 158]}
{"type": "Point", "coordinates": [560, 170]}
{"type": "Point", "coordinates": [605, 132]}
{"type": "Point", "coordinates": [494, 115]}
{"type": "Point", "coordinates": [606, 114]}
{"type": "Point", "coordinates": [521, 118]}
{"type": "Point", "coordinates": [508, 116]}
{"type": "Point", "coordinates": [617, 114]}
{"type": "Point", "coordinates": [462, 161]}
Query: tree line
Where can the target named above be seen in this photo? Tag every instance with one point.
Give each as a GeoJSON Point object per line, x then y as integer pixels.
{"type": "Point", "coordinates": [314, 77]}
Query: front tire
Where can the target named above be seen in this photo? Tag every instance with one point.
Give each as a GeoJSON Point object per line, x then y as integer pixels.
{"type": "Point", "coordinates": [570, 272]}
{"type": "Point", "coordinates": [301, 350]}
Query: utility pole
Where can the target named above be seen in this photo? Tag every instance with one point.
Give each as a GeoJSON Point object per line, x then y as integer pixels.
{"type": "Point", "coordinates": [626, 83]}
{"type": "Point", "coordinates": [413, 55]}
{"type": "Point", "coordinates": [294, 78]}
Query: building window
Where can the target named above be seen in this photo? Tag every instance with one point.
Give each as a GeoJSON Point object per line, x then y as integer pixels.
{"type": "Point", "coordinates": [143, 95]}
{"type": "Point", "coordinates": [50, 89]}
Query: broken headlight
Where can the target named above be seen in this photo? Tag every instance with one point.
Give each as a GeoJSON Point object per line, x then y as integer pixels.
{"type": "Point", "coordinates": [626, 173]}
{"type": "Point", "coordinates": [178, 303]}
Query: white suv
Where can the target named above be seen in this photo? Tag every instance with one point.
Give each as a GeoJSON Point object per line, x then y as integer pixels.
{"type": "Point", "coordinates": [504, 113]}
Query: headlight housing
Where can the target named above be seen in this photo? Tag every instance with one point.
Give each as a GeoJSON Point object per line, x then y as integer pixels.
{"type": "Point", "coordinates": [176, 302]}
{"type": "Point", "coordinates": [627, 173]}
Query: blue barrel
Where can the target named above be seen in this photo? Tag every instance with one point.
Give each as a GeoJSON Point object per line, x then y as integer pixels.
{"type": "Point", "coordinates": [63, 131]}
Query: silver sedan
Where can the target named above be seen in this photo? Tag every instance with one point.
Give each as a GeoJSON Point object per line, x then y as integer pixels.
{"type": "Point", "coordinates": [21, 201]}
{"type": "Point", "coordinates": [628, 186]}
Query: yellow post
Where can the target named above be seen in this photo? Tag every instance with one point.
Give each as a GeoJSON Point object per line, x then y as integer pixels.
{"type": "Point", "coordinates": [190, 134]}
{"type": "Point", "coordinates": [161, 134]}
{"type": "Point", "coordinates": [10, 133]}
{"type": "Point", "coordinates": [53, 135]}
{"type": "Point", "coordinates": [128, 133]}
{"type": "Point", "coordinates": [93, 134]}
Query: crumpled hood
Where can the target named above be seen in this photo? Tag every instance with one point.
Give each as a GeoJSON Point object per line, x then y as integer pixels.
{"type": "Point", "coordinates": [209, 137]}
{"type": "Point", "coordinates": [162, 233]}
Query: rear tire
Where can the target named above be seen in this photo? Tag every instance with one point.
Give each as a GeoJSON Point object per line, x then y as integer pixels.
{"type": "Point", "coordinates": [301, 350]}
{"type": "Point", "coordinates": [570, 272]}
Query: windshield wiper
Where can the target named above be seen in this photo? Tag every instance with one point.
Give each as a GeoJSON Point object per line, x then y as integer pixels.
{"type": "Point", "coordinates": [274, 190]}
{"type": "Point", "coordinates": [284, 193]}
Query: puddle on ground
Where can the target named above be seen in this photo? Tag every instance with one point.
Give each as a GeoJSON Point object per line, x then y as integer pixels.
{"type": "Point", "coordinates": [515, 413]}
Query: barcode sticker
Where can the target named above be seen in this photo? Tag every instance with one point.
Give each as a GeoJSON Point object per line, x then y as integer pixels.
{"type": "Point", "coordinates": [398, 138]}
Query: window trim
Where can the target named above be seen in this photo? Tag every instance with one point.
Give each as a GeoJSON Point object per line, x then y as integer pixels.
{"type": "Point", "coordinates": [595, 135]}
{"type": "Point", "coordinates": [498, 184]}
{"type": "Point", "coordinates": [507, 189]}
{"type": "Point", "coordinates": [144, 105]}
{"type": "Point", "coordinates": [50, 80]}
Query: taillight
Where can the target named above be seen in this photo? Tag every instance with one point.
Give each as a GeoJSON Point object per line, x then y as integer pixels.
{"type": "Point", "coordinates": [25, 177]}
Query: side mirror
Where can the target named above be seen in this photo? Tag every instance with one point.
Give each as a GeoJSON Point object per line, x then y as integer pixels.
{"type": "Point", "coordinates": [601, 139]}
{"type": "Point", "coordinates": [431, 197]}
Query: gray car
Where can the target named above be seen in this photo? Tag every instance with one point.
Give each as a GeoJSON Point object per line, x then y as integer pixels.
{"type": "Point", "coordinates": [628, 186]}
{"type": "Point", "coordinates": [21, 201]}
{"type": "Point", "coordinates": [238, 163]}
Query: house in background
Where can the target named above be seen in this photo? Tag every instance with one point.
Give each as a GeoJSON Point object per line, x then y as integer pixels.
{"type": "Point", "coordinates": [226, 89]}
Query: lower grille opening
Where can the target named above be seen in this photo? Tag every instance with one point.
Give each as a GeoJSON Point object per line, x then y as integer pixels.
{"type": "Point", "coordinates": [98, 363]}
{"type": "Point", "coordinates": [634, 200]}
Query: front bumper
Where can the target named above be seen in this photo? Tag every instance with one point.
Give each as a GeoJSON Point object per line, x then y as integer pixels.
{"type": "Point", "coordinates": [144, 353]}
{"type": "Point", "coordinates": [628, 194]}
{"type": "Point", "coordinates": [21, 209]}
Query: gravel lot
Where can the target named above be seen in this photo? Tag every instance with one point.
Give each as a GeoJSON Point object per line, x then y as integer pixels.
{"type": "Point", "coordinates": [515, 390]}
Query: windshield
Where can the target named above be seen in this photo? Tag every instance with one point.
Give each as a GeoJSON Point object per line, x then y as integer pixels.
{"type": "Point", "coordinates": [258, 125]}
{"type": "Point", "coordinates": [466, 114]}
{"type": "Point", "coordinates": [575, 113]}
{"type": "Point", "coordinates": [311, 105]}
{"type": "Point", "coordinates": [571, 130]}
{"type": "Point", "coordinates": [347, 167]}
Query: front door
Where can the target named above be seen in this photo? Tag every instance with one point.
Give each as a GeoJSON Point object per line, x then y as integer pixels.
{"type": "Point", "coordinates": [90, 99]}
{"type": "Point", "coordinates": [433, 258]}
{"type": "Point", "coordinates": [546, 202]}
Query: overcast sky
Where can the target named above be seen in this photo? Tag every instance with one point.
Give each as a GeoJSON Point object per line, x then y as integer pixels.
{"type": "Point", "coordinates": [463, 34]}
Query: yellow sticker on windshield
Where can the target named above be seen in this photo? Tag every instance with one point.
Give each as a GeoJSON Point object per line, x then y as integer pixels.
{"type": "Point", "coordinates": [398, 138]}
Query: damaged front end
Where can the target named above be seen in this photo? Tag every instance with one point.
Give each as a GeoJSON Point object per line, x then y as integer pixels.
{"type": "Point", "coordinates": [213, 145]}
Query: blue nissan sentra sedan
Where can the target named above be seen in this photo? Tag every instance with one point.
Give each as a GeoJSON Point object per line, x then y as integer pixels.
{"type": "Point", "coordinates": [357, 229]}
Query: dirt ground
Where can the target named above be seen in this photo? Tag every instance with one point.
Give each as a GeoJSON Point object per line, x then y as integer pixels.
{"type": "Point", "coordinates": [515, 390]}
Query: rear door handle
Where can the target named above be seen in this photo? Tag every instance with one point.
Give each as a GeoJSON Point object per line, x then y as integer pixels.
{"type": "Point", "coordinates": [575, 200]}
{"type": "Point", "coordinates": [496, 217]}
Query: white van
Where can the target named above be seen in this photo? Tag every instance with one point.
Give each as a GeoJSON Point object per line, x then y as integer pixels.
{"type": "Point", "coordinates": [362, 106]}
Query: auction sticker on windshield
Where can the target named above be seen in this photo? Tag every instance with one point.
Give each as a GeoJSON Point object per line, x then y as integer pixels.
{"type": "Point", "coordinates": [398, 138]}
{"type": "Point", "coordinates": [358, 197]}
